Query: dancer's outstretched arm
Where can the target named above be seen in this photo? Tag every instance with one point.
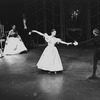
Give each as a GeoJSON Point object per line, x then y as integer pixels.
{"type": "Point", "coordinates": [63, 42]}
{"type": "Point", "coordinates": [36, 32]}
{"type": "Point", "coordinates": [69, 43]}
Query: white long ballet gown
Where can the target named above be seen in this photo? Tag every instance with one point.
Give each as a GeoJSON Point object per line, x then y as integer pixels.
{"type": "Point", "coordinates": [50, 59]}
{"type": "Point", "coordinates": [14, 45]}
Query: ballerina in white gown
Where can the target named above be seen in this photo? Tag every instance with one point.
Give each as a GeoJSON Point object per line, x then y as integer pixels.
{"type": "Point", "coordinates": [14, 43]}
{"type": "Point", "coordinates": [50, 58]}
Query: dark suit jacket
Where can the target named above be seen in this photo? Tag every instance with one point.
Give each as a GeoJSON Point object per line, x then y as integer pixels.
{"type": "Point", "coordinates": [95, 41]}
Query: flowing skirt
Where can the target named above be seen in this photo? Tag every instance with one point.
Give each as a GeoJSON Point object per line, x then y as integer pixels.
{"type": "Point", "coordinates": [14, 46]}
{"type": "Point", "coordinates": [50, 60]}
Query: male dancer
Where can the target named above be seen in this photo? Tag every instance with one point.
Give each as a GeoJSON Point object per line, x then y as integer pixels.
{"type": "Point", "coordinates": [96, 56]}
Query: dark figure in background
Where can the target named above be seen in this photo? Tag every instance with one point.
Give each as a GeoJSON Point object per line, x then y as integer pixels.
{"type": "Point", "coordinates": [25, 36]}
{"type": "Point", "coordinates": [1, 30]}
{"type": "Point", "coordinates": [1, 38]}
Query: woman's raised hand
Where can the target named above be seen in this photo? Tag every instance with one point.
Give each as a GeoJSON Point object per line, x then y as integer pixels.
{"type": "Point", "coordinates": [36, 32]}
{"type": "Point", "coordinates": [29, 33]}
{"type": "Point", "coordinates": [32, 31]}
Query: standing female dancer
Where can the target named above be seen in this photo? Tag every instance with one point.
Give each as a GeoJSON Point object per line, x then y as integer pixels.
{"type": "Point", "coordinates": [50, 59]}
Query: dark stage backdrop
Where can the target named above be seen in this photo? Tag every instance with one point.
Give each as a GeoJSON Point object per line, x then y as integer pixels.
{"type": "Point", "coordinates": [43, 15]}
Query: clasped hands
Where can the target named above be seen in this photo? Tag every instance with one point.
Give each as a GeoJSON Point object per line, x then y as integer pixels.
{"type": "Point", "coordinates": [75, 43]}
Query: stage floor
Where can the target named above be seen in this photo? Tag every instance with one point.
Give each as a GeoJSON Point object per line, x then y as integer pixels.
{"type": "Point", "coordinates": [21, 80]}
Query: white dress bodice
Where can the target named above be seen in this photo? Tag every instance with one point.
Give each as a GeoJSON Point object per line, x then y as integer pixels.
{"type": "Point", "coordinates": [51, 40]}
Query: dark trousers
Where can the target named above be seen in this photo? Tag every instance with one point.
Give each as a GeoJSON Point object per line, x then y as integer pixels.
{"type": "Point", "coordinates": [96, 57]}
{"type": "Point", "coordinates": [26, 38]}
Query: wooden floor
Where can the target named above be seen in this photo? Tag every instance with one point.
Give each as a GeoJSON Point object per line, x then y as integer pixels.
{"type": "Point", "coordinates": [21, 80]}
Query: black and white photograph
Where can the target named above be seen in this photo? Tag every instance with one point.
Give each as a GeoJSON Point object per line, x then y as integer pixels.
{"type": "Point", "coordinates": [49, 49]}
